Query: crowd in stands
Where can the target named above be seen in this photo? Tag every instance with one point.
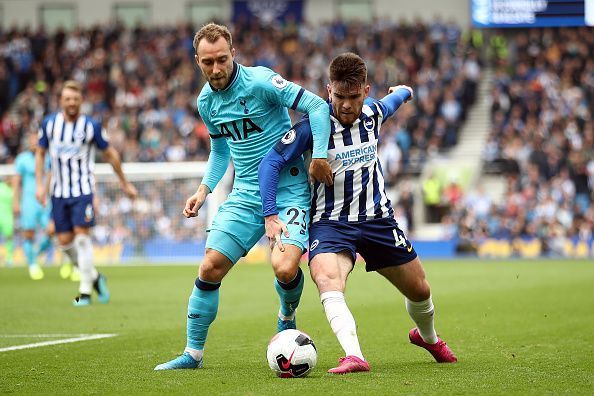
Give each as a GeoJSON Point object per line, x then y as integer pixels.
{"type": "Point", "coordinates": [542, 140]}
{"type": "Point", "coordinates": [142, 83]}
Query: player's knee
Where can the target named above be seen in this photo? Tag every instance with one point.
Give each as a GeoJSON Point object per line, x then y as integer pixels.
{"type": "Point", "coordinates": [285, 273]}
{"type": "Point", "coordinates": [285, 267]}
{"type": "Point", "coordinates": [421, 292]}
{"type": "Point", "coordinates": [327, 280]}
{"type": "Point", "coordinates": [211, 271]}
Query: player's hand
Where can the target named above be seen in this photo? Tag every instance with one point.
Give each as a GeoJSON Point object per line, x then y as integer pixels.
{"type": "Point", "coordinates": [275, 229]}
{"type": "Point", "coordinates": [193, 204]}
{"type": "Point", "coordinates": [320, 171]}
{"type": "Point", "coordinates": [41, 195]}
{"type": "Point", "coordinates": [130, 190]}
{"type": "Point", "coordinates": [392, 89]}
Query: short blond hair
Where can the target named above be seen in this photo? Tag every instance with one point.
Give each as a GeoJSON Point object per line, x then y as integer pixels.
{"type": "Point", "coordinates": [71, 84]}
{"type": "Point", "coordinates": [211, 32]}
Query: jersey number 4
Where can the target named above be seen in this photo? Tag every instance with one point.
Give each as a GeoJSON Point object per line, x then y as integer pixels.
{"type": "Point", "coordinates": [401, 241]}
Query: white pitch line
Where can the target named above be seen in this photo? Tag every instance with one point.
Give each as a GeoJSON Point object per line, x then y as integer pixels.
{"type": "Point", "coordinates": [42, 335]}
{"type": "Point", "coordinates": [56, 342]}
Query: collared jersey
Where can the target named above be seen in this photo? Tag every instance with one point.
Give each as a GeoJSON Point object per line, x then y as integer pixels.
{"type": "Point", "coordinates": [358, 192]}
{"type": "Point", "coordinates": [251, 115]}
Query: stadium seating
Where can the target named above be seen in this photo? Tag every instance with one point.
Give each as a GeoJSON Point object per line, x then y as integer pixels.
{"type": "Point", "coordinates": [542, 142]}
{"type": "Point", "coordinates": [143, 82]}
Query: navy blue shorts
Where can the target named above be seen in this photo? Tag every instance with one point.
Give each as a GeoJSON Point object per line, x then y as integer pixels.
{"type": "Point", "coordinates": [380, 242]}
{"type": "Point", "coordinates": [73, 212]}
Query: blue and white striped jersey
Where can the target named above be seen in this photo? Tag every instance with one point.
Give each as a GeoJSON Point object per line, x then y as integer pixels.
{"type": "Point", "coordinates": [358, 192]}
{"type": "Point", "coordinates": [71, 147]}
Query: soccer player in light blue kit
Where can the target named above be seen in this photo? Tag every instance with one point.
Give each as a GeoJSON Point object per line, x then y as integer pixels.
{"type": "Point", "coordinates": [245, 110]}
{"type": "Point", "coordinates": [32, 214]}
{"type": "Point", "coordinates": [354, 215]}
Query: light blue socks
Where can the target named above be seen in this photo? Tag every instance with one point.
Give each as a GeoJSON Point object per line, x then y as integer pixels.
{"type": "Point", "coordinates": [29, 252]}
{"type": "Point", "coordinates": [202, 311]}
{"type": "Point", "coordinates": [290, 293]}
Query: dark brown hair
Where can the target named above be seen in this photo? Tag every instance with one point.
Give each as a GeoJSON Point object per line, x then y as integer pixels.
{"type": "Point", "coordinates": [348, 69]}
{"type": "Point", "coordinates": [212, 32]}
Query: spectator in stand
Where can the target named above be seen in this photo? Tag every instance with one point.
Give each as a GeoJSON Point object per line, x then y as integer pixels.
{"type": "Point", "coordinates": [542, 103]}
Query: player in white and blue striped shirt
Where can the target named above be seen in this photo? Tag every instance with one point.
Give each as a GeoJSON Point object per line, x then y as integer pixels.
{"type": "Point", "coordinates": [71, 138]}
{"type": "Point", "coordinates": [353, 215]}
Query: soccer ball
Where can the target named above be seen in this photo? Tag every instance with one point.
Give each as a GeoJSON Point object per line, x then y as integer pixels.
{"type": "Point", "coordinates": [291, 353]}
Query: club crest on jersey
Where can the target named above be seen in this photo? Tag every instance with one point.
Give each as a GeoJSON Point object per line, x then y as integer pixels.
{"type": "Point", "coordinates": [79, 134]}
{"type": "Point", "coordinates": [279, 82]}
{"type": "Point", "coordinates": [369, 124]}
{"type": "Point", "coordinates": [289, 137]}
{"type": "Point", "coordinates": [243, 103]}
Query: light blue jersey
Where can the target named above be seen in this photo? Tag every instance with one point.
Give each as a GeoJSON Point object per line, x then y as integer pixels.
{"type": "Point", "coordinates": [25, 167]}
{"type": "Point", "coordinates": [247, 118]}
{"type": "Point", "coordinates": [32, 213]}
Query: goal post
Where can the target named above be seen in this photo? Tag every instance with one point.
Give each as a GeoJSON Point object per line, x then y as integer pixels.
{"type": "Point", "coordinates": [152, 228]}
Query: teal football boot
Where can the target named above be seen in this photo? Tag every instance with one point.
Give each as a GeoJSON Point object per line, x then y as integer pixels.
{"type": "Point", "coordinates": [184, 361]}
{"type": "Point", "coordinates": [285, 324]}
{"type": "Point", "coordinates": [82, 301]}
{"type": "Point", "coordinates": [100, 286]}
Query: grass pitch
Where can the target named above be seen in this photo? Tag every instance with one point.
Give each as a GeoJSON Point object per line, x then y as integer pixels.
{"type": "Point", "coordinates": [521, 327]}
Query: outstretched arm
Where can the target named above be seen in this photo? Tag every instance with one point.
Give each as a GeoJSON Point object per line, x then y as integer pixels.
{"type": "Point", "coordinates": [292, 146]}
{"type": "Point", "coordinates": [280, 91]}
{"type": "Point", "coordinates": [319, 119]}
{"type": "Point", "coordinates": [397, 95]}
{"type": "Point", "coordinates": [40, 192]}
{"type": "Point", "coordinates": [16, 198]}
{"type": "Point", "coordinates": [111, 155]}
{"type": "Point", "coordinates": [218, 161]}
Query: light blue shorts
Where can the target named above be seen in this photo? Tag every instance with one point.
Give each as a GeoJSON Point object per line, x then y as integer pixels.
{"type": "Point", "coordinates": [34, 216]}
{"type": "Point", "coordinates": [239, 223]}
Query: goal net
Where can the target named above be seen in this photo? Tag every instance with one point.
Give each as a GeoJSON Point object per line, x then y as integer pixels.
{"type": "Point", "coordinates": [151, 228]}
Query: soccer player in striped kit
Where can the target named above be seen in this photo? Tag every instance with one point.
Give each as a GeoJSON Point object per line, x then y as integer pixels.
{"type": "Point", "coordinates": [354, 214]}
{"type": "Point", "coordinates": [71, 138]}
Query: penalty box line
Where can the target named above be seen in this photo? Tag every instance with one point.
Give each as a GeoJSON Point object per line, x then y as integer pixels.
{"type": "Point", "coordinates": [78, 338]}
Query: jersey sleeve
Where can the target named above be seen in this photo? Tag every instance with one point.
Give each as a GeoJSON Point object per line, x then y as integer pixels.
{"type": "Point", "coordinates": [391, 102]}
{"type": "Point", "coordinates": [219, 157]}
{"type": "Point", "coordinates": [292, 145]}
{"type": "Point", "coordinates": [42, 138]}
{"type": "Point", "coordinates": [100, 135]}
{"type": "Point", "coordinates": [277, 90]}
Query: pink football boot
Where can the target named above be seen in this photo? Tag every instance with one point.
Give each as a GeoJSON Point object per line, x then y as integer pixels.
{"type": "Point", "coordinates": [440, 351]}
{"type": "Point", "coordinates": [350, 364]}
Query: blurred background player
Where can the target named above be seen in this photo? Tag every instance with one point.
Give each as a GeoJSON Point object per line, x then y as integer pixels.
{"type": "Point", "coordinates": [33, 216]}
{"type": "Point", "coordinates": [246, 112]}
{"type": "Point", "coordinates": [354, 215]}
{"type": "Point", "coordinates": [71, 138]}
{"type": "Point", "coordinates": [7, 221]}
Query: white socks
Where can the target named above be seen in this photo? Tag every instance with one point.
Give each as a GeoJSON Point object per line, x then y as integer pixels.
{"type": "Point", "coordinates": [195, 353]}
{"type": "Point", "coordinates": [422, 314]}
{"type": "Point", "coordinates": [342, 322]}
{"type": "Point", "coordinates": [88, 273]}
{"type": "Point", "coordinates": [283, 317]}
{"type": "Point", "coordinates": [70, 251]}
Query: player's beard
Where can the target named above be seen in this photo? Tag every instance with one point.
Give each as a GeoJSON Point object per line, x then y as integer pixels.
{"type": "Point", "coordinates": [72, 112]}
{"type": "Point", "coordinates": [220, 82]}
